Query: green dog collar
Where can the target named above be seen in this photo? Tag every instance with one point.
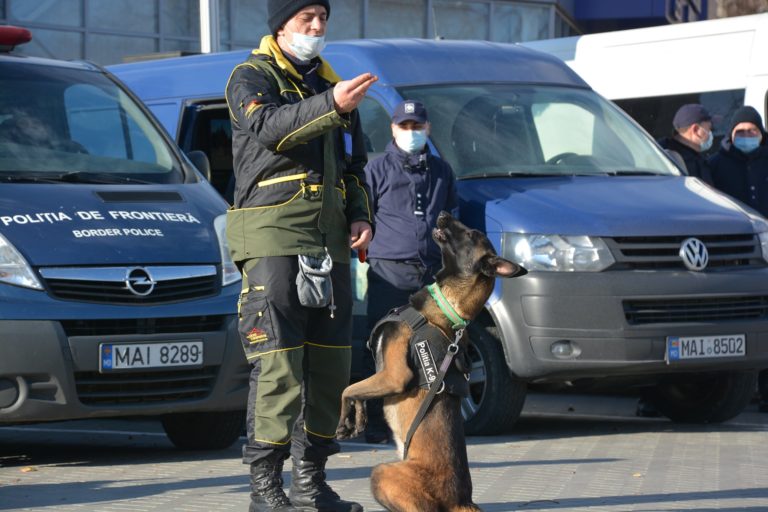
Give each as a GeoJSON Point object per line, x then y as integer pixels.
{"type": "Point", "coordinates": [446, 308]}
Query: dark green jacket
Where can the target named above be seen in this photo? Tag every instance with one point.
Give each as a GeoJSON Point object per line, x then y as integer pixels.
{"type": "Point", "coordinates": [289, 148]}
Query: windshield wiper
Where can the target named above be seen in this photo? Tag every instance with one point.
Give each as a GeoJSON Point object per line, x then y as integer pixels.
{"type": "Point", "coordinates": [20, 178]}
{"type": "Point", "coordinates": [72, 177]}
{"type": "Point", "coordinates": [632, 172]}
{"type": "Point", "coordinates": [515, 174]}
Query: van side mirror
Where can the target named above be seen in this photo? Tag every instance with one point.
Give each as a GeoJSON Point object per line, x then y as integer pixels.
{"type": "Point", "coordinates": [677, 159]}
{"type": "Point", "coordinates": [200, 160]}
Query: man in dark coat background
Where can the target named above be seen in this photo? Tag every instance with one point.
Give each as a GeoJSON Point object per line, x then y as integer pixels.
{"type": "Point", "coordinates": [692, 137]}
{"type": "Point", "coordinates": [740, 169]}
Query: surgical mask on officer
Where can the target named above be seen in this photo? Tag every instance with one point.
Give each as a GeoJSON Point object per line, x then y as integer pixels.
{"type": "Point", "coordinates": [746, 137]}
{"type": "Point", "coordinates": [746, 144]}
{"type": "Point", "coordinates": [411, 141]}
{"type": "Point", "coordinates": [707, 142]}
{"type": "Point", "coordinates": [306, 47]}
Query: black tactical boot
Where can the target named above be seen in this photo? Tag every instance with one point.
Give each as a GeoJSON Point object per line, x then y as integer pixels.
{"type": "Point", "coordinates": [267, 486]}
{"type": "Point", "coordinates": [309, 490]}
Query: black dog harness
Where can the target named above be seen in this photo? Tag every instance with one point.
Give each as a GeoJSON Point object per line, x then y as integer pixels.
{"type": "Point", "coordinates": [438, 363]}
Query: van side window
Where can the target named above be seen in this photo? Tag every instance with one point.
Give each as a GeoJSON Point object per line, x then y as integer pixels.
{"type": "Point", "coordinates": [376, 125]}
{"type": "Point", "coordinates": [206, 127]}
{"type": "Point", "coordinates": [655, 113]}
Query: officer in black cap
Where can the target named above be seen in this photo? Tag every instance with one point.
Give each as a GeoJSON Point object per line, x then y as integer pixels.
{"type": "Point", "coordinates": [692, 138]}
{"type": "Point", "coordinates": [409, 188]}
{"type": "Point", "coordinates": [296, 141]}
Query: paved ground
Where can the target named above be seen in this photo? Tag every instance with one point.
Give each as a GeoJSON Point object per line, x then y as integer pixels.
{"type": "Point", "coordinates": [566, 454]}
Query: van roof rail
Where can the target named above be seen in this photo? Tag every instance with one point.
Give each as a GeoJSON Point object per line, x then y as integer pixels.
{"type": "Point", "coordinates": [158, 56]}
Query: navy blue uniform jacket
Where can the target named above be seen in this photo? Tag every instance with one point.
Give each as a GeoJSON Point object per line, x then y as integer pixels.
{"type": "Point", "coordinates": [408, 192]}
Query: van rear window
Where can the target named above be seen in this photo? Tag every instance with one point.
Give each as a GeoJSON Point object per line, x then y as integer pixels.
{"type": "Point", "coordinates": [76, 125]}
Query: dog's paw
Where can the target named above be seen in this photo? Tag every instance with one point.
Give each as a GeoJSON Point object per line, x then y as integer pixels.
{"type": "Point", "coordinates": [361, 419]}
{"type": "Point", "coordinates": [344, 432]}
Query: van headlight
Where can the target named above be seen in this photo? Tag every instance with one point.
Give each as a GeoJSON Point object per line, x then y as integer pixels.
{"type": "Point", "coordinates": [557, 253]}
{"type": "Point", "coordinates": [14, 269]}
{"type": "Point", "coordinates": [764, 244]}
{"type": "Point", "coordinates": [229, 272]}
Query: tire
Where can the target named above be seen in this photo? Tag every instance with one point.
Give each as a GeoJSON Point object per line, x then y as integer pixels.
{"type": "Point", "coordinates": [204, 430]}
{"type": "Point", "coordinates": [704, 398]}
{"type": "Point", "coordinates": [495, 399]}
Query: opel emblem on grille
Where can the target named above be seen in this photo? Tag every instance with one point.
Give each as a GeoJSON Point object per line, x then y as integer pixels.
{"type": "Point", "coordinates": [139, 281]}
{"type": "Point", "coordinates": [694, 254]}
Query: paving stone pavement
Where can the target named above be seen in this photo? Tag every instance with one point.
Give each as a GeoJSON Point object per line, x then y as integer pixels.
{"type": "Point", "coordinates": [555, 459]}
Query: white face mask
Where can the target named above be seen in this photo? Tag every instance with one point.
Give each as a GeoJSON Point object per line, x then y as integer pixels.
{"type": "Point", "coordinates": [411, 141]}
{"type": "Point", "coordinates": [306, 47]}
{"type": "Point", "coordinates": [707, 143]}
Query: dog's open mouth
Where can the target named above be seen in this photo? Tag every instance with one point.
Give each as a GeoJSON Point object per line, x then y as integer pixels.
{"type": "Point", "coordinates": [439, 235]}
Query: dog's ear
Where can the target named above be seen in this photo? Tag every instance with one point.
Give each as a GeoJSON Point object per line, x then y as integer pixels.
{"type": "Point", "coordinates": [493, 266]}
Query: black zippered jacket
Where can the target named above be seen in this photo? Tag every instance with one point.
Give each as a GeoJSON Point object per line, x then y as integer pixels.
{"type": "Point", "coordinates": [289, 146]}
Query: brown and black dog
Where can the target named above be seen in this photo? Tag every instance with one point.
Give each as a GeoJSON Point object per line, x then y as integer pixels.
{"type": "Point", "coordinates": [434, 476]}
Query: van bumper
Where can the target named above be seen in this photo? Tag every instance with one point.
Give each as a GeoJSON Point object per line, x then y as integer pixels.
{"type": "Point", "coordinates": [592, 311]}
{"type": "Point", "coordinates": [46, 375]}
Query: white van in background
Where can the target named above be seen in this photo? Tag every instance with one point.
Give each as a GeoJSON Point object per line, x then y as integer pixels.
{"type": "Point", "coordinates": [651, 72]}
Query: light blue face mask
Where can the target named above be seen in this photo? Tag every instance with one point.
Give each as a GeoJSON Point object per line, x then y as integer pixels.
{"type": "Point", "coordinates": [746, 144]}
{"type": "Point", "coordinates": [707, 143]}
{"type": "Point", "coordinates": [411, 141]}
{"type": "Point", "coordinates": [306, 47]}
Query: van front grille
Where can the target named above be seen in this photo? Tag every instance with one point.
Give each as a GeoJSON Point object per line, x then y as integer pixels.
{"type": "Point", "coordinates": [132, 285]}
{"type": "Point", "coordinates": [120, 326]}
{"type": "Point", "coordinates": [662, 252]}
{"type": "Point", "coordinates": [716, 309]}
{"type": "Point", "coordinates": [100, 389]}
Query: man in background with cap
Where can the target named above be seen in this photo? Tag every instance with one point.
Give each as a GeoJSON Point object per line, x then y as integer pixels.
{"type": "Point", "coordinates": [409, 187]}
{"type": "Point", "coordinates": [740, 169]}
{"type": "Point", "coordinates": [692, 137]}
{"type": "Point", "coordinates": [300, 196]}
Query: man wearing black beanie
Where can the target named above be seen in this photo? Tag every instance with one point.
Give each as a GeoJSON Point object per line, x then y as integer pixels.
{"type": "Point", "coordinates": [301, 203]}
{"type": "Point", "coordinates": [740, 167]}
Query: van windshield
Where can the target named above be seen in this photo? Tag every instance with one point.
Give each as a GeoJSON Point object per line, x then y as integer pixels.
{"type": "Point", "coordinates": [508, 129]}
{"type": "Point", "coordinates": [66, 124]}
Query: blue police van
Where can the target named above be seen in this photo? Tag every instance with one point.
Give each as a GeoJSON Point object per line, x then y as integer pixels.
{"type": "Point", "coordinates": [117, 292]}
{"type": "Point", "coordinates": [638, 277]}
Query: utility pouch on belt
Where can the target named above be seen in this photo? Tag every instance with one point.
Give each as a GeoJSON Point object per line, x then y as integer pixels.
{"type": "Point", "coordinates": [313, 282]}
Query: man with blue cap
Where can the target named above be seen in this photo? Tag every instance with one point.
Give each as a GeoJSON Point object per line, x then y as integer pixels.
{"type": "Point", "coordinates": [409, 188]}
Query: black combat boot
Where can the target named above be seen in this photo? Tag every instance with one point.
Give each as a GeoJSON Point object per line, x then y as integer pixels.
{"type": "Point", "coordinates": [267, 486]}
{"type": "Point", "coordinates": [309, 490]}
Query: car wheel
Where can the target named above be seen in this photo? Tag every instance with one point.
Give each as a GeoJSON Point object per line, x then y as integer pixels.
{"type": "Point", "coordinates": [204, 430]}
{"type": "Point", "coordinates": [495, 398]}
{"type": "Point", "coordinates": [704, 398]}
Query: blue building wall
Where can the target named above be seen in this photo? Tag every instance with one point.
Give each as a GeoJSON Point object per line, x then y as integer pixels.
{"type": "Point", "coordinates": [605, 15]}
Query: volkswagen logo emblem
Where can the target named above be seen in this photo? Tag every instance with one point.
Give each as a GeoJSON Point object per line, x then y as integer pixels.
{"type": "Point", "coordinates": [694, 254]}
{"type": "Point", "coordinates": [139, 281]}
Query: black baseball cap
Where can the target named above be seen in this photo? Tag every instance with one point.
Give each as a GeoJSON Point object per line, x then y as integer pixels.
{"type": "Point", "coordinates": [409, 110]}
{"type": "Point", "coordinates": [689, 114]}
